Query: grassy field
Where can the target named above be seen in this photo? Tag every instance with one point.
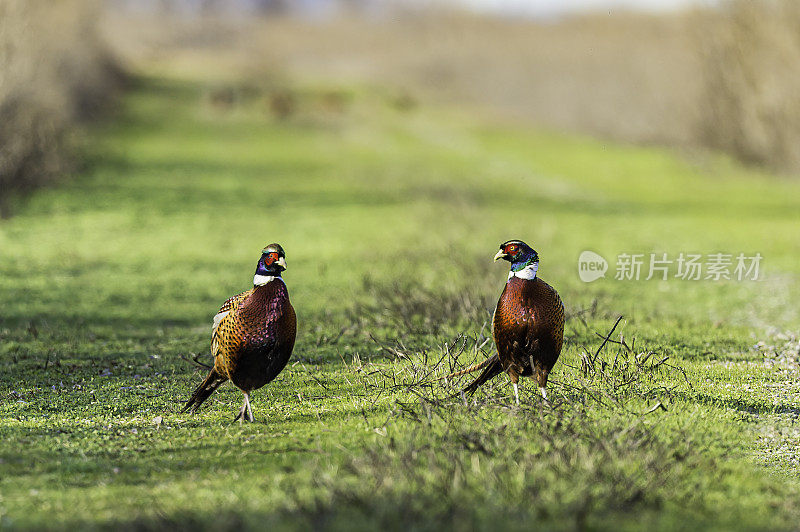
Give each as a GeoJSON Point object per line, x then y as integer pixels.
{"type": "Point", "coordinates": [390, 215]}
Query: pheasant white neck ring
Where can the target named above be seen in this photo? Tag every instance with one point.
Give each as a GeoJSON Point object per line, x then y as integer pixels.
{"type": "Point", "coordinates": [527, 272]}
{"type": "Point", "coordinates": [261, 280]}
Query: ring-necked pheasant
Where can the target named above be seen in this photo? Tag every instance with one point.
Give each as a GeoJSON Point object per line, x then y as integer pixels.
{"type": "Point", "coordinates": [253, 335]}
{"type": "Point", "coordinates": [528, 323]}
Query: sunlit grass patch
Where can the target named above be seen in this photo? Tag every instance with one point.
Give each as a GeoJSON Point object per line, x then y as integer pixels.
{"type": "Point", "coordinates": [109, 284]}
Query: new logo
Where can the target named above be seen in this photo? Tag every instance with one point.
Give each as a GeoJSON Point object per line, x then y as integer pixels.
{"type": "Point", "coordinates": [591, 266]}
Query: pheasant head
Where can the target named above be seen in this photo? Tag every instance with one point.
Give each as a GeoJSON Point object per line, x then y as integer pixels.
{"type": "Point", "coordinates": [523, 258]}
{"type": "Point", "coordinates": [270, 265]}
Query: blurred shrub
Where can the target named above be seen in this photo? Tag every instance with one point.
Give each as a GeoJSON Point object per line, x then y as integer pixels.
{"type": "Point", "coordinates": [725, 76]}
{"type": "Point", "coordinates": [54, 72]}
{"type": "Point", "coordinates": [751, 66]}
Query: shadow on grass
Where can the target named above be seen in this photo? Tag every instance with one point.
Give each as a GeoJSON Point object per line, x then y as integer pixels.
{"type": "Point", "coordinates": [740, 405]}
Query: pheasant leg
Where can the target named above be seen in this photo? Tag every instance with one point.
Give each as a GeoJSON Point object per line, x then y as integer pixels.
{"type": "Point", "coordinates": [249, 410]}
{"type": "Point", "coordinates": [245, 413]}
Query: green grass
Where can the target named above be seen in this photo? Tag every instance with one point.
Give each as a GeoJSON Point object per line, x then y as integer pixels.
{"type": "Point", "coordinates": [390, 218]}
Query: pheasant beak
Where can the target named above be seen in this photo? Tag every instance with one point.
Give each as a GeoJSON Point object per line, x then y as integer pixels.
{"type": "Point", "coordinates": [281, 262]}
{"type": "Point", "coordinates": [500, 255]}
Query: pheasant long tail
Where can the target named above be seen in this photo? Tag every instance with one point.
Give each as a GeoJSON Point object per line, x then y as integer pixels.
{"type": "Point", "coordinates": [492, 368]}
{"type": "Point", "coordinates": [212, 382]}
{"type": "Point", "coordinates": [475, 367]}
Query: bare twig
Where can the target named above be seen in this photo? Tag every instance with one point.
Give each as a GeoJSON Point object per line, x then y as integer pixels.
{"type": "Point", "coordinates": [606, 339]}
{"type": "Point", "coordinates": [194, 360]}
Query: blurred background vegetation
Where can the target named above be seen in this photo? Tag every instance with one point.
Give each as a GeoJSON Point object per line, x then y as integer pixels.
{"type": "Point", "coordinates": [723, 78]}
{"type": "Point", "coordinates": [720, 77]}
{"type": "Point", "coordinates": [55, 72]}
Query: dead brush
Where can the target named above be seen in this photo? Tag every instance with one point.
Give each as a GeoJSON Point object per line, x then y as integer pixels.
{"type": "Point", "coordinates": [596, 446]}
{"type": "Point", "coordinates": [615, 376]}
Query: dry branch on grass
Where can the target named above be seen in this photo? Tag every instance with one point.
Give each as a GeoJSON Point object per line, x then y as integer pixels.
{"type": "Point", "coordinates": [598, 421]}
{"type": "Point", "coordinates": [618, 378]}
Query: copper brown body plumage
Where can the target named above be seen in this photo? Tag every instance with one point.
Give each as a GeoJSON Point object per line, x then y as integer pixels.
{"type": "Point", "coordinates": [253, 335]}
{"type": "Point", "coordinates": [528, 323]}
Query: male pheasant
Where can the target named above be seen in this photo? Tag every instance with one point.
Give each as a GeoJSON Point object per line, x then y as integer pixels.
{"type": "Point", "coordinates": [528, 323]}
{"type": "Point", "coordinates": [253, 335]}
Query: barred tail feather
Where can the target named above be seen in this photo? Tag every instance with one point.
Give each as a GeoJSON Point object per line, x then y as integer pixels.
{"type": "Point", "coordinates": [212, 382]}
{"type": "Point", "coordinates": [493, 367]}
{"type": "Point", "coordinates": [475, 367]}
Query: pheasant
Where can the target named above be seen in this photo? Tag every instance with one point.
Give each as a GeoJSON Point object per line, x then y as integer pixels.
{"type": "Point", "coordinates": [253, 335]}
{"type": "Point", "coordinates": [528, 323]}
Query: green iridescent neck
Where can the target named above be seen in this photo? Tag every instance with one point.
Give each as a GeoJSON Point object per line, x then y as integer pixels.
{"type": "Point", "coordinates": [517, 266]}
